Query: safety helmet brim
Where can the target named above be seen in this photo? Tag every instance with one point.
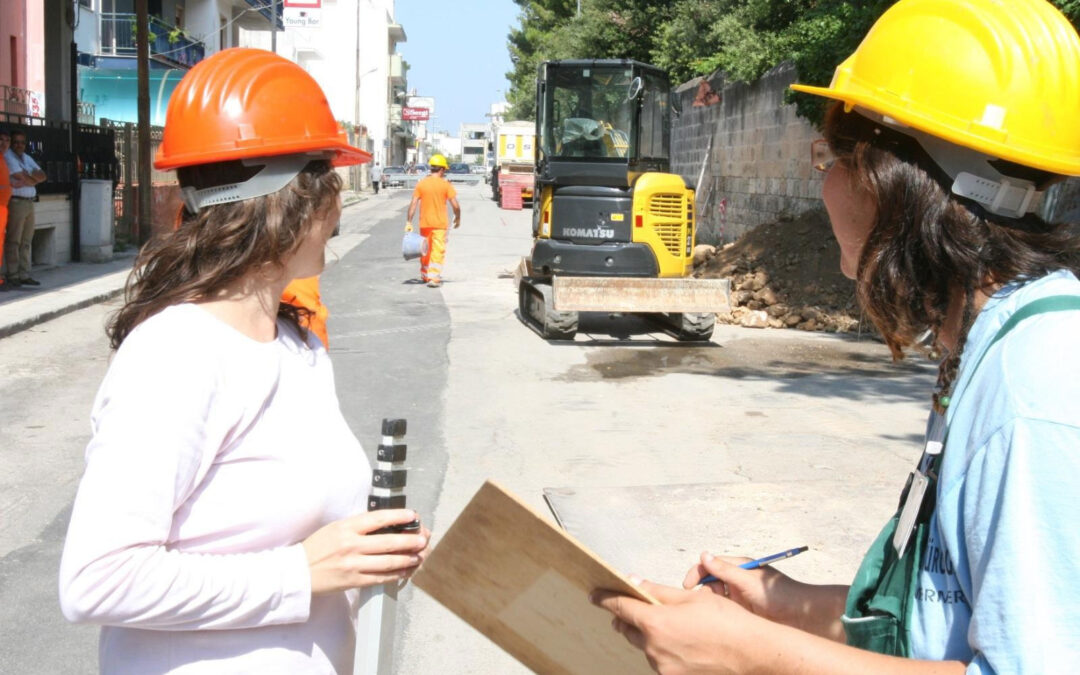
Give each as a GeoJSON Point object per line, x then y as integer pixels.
{"type": "Point", "coordinates": [343, 153]}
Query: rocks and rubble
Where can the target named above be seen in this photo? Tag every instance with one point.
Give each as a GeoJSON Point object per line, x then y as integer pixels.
{"type": "Point", "coordinates": [785, 274]}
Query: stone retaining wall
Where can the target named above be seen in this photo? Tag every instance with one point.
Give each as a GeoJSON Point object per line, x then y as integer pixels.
{"type": "Point", "coordinates": [758, 169]}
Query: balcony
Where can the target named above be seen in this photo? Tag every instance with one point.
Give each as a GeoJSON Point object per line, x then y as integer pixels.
{"type": "Point", "coordinates": [168, 44]}
{"type": "Point", "coordinates": [17, 104]}
{"type": "Point", "coordinates": [21, 102]}
{"type": "Point", "coordinates": [86, 112]}
{"type": "Point", "coordinates": [264, 9]}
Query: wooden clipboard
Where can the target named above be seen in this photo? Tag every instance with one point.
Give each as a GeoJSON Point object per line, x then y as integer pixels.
{"type": "Point", "coordinates": [524, 583]}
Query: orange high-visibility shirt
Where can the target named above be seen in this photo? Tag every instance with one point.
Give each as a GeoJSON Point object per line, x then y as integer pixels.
{"type": "Point", "coordinates": [5, 186]}
{"type": "Point", "coordinates": [434, 192]}
{"type": "Point", "coordinates": [305, 293]}
{"type": "Point", "coordinates": [5, 196]}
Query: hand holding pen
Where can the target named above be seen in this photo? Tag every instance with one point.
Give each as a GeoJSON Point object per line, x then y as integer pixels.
{"type": "Point", "coordinates": [760, 562]}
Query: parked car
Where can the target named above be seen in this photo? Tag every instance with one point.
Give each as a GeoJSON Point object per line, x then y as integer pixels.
{"type": "Point", "coordinates": [459, 167]}
{"type": "Point", "coordinates": [393, 176]}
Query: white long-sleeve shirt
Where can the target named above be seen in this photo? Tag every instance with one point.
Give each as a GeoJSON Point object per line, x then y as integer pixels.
{"type": "Point", "coordinates": [213, 456]}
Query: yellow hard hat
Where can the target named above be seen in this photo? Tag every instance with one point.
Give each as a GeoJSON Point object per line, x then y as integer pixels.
{"type": "Point", "coordinates": [1001, 77]}
{"type": "Point", "coordinates": [438, 161]}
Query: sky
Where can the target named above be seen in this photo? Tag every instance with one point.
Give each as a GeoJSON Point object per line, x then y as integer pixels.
{"type": "Point", "coordinates": [456, 51]}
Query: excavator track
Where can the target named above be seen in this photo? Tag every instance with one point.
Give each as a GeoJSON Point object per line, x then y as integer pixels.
{"type": "Point", "coordinates": [687, 326]}
{"type": "Point", "coordinates": [535, 307]}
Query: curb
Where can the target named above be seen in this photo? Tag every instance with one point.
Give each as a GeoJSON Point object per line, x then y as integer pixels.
{"type": "Point", "coordinates": [22, 324]}
{"type": "Point", "coordinates": [31, 311]}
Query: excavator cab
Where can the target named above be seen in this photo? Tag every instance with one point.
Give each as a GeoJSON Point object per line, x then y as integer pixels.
{"type": "Point", "coordinates": [609, 219]}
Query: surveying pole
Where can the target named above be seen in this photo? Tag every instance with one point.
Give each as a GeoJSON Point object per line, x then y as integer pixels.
{"type": "Point", "coordinates": [378, 609]}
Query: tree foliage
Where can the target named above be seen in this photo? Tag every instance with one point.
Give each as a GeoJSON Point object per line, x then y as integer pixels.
{"type": "Point", "coordinates": [741, 38]}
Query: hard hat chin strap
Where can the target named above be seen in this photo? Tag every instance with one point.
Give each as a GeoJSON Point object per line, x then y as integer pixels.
{"type": "Point", "coordinates": [276, 173]}
{"type": "Point", "coordinates": [973, 175]}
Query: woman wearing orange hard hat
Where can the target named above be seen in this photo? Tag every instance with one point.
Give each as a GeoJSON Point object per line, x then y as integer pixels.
{"type": "Point", "coordinates": [950, 121]}
{"type": "Point", "coordinates": [221, 525]}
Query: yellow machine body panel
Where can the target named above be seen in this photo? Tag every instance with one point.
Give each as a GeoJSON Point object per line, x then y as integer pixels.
{"type": "Point", "coordinates": [663, 214]}
{"type": "Point", "coordinates": [544, 213]}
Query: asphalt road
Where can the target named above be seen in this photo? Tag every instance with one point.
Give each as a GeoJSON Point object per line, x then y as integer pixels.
{"type": "Point", "coordinates": [753, 443]}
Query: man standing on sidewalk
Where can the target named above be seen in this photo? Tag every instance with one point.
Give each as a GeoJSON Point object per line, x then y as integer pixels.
{"type": "Point", "coordinates": [432, 193]}
{"type": "Point", "coordinates": [376, 176]}
{"type": "Point", "coordinates": [5, 197]}
{"type": "Point", "coordinates": [25, 174]}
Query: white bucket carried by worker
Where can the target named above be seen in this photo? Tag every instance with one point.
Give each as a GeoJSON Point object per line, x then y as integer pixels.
{"type": "Point", "coordinates": [414, 245]}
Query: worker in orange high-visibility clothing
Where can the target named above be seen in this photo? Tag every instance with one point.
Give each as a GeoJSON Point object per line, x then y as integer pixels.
{"type": "Point", "coordinates": [432, 194]}
{"type": "Point", "coordinates": [5, 197]}
{"type": "Point", "coordinates": [304, 293]}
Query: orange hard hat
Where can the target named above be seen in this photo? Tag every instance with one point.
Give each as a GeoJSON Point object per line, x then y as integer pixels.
{"type": "Point", "coordinates": [242, 104]}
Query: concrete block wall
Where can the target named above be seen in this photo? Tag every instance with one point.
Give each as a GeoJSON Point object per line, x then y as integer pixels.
{"type": "Point", "coordinates": [52, 230]}
{"type": "Point", "coordinates": [758, 169]}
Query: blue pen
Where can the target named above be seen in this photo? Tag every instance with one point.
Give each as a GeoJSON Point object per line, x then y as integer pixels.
{"type": "Point", "coordinates": [760, 562]}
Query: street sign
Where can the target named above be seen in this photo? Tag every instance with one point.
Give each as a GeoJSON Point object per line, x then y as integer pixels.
{"type": "Point", "coordinates": [415, 114]}
{"type": "Point", "coordinates": [301, 13]}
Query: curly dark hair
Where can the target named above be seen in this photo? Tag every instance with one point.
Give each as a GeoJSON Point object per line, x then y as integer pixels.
{"type": "Point", "coordinates": [221, 244]}
{"type": "Point", "coordinates": [927, 247]}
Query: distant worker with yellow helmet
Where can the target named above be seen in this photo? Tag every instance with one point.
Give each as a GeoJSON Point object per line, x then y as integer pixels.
{"type": "Point", "coordinates": [432, 194]}
{"type": "Point", "coordinates": [949, 123]}
{"type": "Point", "coordinates": [221, 525]}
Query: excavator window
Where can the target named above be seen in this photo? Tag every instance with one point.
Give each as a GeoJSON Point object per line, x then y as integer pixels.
{"type": "Point", "coordinates": [590, 114]}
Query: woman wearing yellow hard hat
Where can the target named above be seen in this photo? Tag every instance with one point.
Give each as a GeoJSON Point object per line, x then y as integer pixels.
{"type": "Point", "coordinates": [950, 121]}
{"type": "Point", "coordinates": [221, 525]}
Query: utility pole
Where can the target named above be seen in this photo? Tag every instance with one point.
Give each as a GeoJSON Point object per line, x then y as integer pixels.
{"type": "Point", "coordinates": [273, 26]}
{"type": "Point", "coordinates": [143, 226]}
{"type": "Point", "coordinates": [357, 171]}
{"type": "Point", "coordinates": [73, 139]}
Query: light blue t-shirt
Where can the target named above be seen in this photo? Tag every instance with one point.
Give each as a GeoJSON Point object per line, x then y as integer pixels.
{"type": "Point", "coordinates": [999, 584]}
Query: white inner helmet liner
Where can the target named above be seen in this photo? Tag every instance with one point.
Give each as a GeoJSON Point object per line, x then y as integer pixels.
{"type": "Point", "coordinates": [275, 174]}
{"type": "Point", "coordinates": [973, 175]}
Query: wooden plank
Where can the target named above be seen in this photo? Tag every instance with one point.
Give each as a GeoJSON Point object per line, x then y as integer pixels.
{"type": "Point", "coordinates": [620, 294]}
{"type": "Point", "coordinates": [524, 583]}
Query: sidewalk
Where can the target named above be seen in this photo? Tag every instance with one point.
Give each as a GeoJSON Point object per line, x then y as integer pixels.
{"type": "Point", "coordinates": [73, 286]}
{"type": "Point", "coordinates": [63, 289]}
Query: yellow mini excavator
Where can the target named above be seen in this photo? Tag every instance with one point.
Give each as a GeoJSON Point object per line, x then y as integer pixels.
{"type": "Point", "coordinates": [613, 229]}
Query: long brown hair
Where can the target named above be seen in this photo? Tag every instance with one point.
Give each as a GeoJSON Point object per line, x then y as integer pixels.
{"type": "Point", "coordinates": [221, 244]}
{"type": "Point", "coordinates": [927, 245]}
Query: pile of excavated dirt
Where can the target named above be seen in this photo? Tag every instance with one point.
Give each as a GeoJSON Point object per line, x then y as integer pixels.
{"type": "Point", "coordinates": [786, 275]}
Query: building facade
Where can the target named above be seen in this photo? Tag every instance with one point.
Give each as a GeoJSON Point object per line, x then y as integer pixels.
{"type": "Point", "coordinates": [474, 141]}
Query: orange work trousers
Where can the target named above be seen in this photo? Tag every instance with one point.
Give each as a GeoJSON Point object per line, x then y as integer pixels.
{"type": "Point", "coordinates": [431, 263]}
